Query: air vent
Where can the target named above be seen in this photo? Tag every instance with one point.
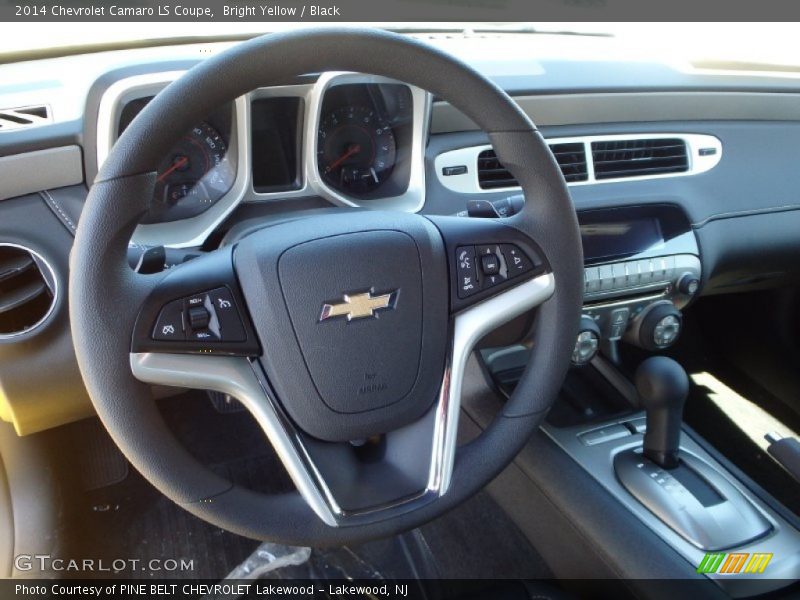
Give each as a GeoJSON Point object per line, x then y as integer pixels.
{"type": "Point", "coordinates": [26, 116]}
{"type": "Point", "coordinates": [27, 290]}
{"type": "Point", "coordinates": [614, 159]}
{"type": "Point", "coordinates": [571, 158]}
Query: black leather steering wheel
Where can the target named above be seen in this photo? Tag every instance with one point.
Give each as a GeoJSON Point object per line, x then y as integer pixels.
{"type": "Point", "coordinates": [333, 328]}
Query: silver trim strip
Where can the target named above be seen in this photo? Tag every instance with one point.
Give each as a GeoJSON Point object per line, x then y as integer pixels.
{"type": "Point", "coordinates": [51, 281]}
{"type": "Point", "coordinates": [240, 379]}
{"type": "Point", "coordinates": [467, 183]}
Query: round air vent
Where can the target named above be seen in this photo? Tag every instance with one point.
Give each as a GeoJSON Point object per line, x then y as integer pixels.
{"type": "Point", "coordinates": [27, 290]}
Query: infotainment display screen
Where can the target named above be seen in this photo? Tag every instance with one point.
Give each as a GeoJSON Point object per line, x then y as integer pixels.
{"type": "Point", "coordinates": [616, 238]}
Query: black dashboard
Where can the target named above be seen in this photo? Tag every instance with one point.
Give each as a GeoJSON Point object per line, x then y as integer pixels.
{"type": "Point", "coordinates": [672, 173]}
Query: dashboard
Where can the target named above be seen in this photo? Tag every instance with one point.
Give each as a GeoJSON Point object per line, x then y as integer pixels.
{"type": "Point", "coordinates": [684, 180]}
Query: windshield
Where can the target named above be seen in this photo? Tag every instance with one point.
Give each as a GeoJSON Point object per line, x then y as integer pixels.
{"type": "Point", "coordinates": [772, 46]}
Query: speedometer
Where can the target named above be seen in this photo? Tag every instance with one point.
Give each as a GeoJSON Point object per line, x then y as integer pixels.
{"type": "Point", "coordinates": [356, 150]}
{"type": "Point", "coordinates": [195, 174]}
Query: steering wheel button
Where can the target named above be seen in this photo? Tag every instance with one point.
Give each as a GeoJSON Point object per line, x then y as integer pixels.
{"type": "Point", "coordinates": [199, 317]}
{"type": "Point", "coordinates": [169, 325]}
{"type": "Point", "coordinates": [230, 323]}
{"type": "Point", "coordinates": [196, 300]}
{"type": "Point", "coordinates": [517, 262]}
{"type": "Point", "coordinates": [466, 271]}
{"type": "Point", "coordinates": [492, 280]}
{"type": "Point", "coordinates": [490, 265]}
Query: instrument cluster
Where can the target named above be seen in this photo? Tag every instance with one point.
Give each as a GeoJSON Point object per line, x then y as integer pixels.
{"type": "Point", "coordinates": [197, 171]}
{"type": "Point", "coordinates": [348, 138]}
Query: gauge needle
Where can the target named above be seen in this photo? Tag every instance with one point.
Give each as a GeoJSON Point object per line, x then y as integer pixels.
{"type": "Point", "coordinates": [176, 165]}
{"type": "Point", "coordinates": [350, 151]}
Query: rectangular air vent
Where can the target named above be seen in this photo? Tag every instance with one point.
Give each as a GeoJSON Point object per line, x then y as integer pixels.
{"type": "Point", "coordinates": [571, 157]}
{"type": "Point", "coordinates": [25, 116]}
{"type": "Point", "coordinates": [615, 159]}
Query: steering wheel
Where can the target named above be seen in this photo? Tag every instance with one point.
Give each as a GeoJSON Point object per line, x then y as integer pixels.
{"type": "Point", "coordinates": [345, 335]}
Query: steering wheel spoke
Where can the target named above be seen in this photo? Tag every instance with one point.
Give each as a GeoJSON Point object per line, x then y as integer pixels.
{"type": "Point", "coordinates": [367, 480]}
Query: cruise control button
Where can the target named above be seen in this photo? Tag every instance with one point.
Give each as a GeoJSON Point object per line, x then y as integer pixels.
{"type": "Point", "coordinates": [230, 323]}
{"type": "Point", "coordinates": [517, 262]}
{"type": "Point", "coordinates": [169, 325]}
{"type": "Point", "coordinates": [199, 317]}
{"type": "Point", "coordinates": [466, 271]}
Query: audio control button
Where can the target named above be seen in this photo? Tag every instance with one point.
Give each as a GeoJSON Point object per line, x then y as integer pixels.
{"type": "Point", "coordinates": [631, 274]}
{"type": "Point", "coordinates": [606, 277]}
{"type": "Point", "coordinates": [660, 269]}
{"type": "Point", "coordinates": [645, 271]}
{"type": "Point", "coordinates": [618, 270]}
{"type": "Point", "coordinates": [592, 279]}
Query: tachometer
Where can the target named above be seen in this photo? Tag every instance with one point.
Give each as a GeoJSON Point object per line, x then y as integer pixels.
{"type": "Point", "coordinates": [356, 149]}
{"type": "Point", "coordinates": [195, 174]}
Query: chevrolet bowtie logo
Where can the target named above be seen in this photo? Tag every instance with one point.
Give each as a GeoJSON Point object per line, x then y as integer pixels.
{"type": "Point", "coordinates": [358, 306]}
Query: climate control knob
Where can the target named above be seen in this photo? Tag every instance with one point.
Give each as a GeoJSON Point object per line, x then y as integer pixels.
{"type": "Point", "coordinates": [658, 327]}
{"type": "Point", "coordinates": [587, 342]}
{"type": "Point", "coordinates": [688, 284]}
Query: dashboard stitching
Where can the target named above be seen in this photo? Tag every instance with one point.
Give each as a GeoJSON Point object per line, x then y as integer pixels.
{"type": "Point", "coordinates": [744, 213]}
{"type": "Point", "coordinates": [63, 217]}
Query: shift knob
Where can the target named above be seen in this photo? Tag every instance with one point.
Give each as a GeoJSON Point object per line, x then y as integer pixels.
{"type": "Point", "coordinates": [662, 385]}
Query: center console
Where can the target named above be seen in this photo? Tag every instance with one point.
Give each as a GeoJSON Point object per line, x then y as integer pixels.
{"type": "Point", "coordinates": [642, 268]}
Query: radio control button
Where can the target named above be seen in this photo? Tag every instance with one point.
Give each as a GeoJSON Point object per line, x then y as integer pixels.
{"type": "Point", "coordinates": [606, 277]}
{"type": "Point", "coordinates": [592, 280]}
{"type": "Point", "coordinates": [669, 267]}
{"type": "Point", "coordinates": [618, 271]}
{"type": "Point", "coordinates": [632, 274]}
{"type": "Point", "coordinates": [645, 271]}
{"type": "Point", "coordinates": [660, 269]}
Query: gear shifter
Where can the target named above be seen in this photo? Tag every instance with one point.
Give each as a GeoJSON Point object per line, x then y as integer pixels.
{"type": "Point", "coordinates": [689, 495]}
{"type": "Point", "coordinates": [662, 386]}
